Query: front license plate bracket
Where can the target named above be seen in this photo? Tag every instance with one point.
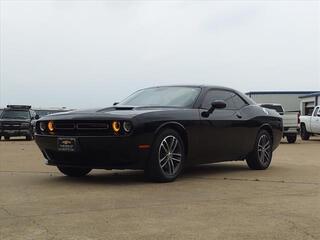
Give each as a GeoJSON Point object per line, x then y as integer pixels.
{"type": "Point", "coordinates": [67, 144]}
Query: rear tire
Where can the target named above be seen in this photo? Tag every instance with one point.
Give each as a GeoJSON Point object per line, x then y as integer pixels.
{"type": "Point", "coordinates": [167, 157]}
{"type": "Point", "coordinates": [74, 172]}
{"type": "Point", "coordinates": [304, 133]}
{"type": "Point", "coordinates": [292, 138]}
{"type": "Point", "coordinates": [260, 158]}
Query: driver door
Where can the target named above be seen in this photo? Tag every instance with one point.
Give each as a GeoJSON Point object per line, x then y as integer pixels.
{"type": "Point", "coordinates": [222, 132]}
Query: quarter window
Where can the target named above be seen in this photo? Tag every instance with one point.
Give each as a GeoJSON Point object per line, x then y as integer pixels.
{"type": "Point", "coordinates": [232, 100]}
{"type": "Point", "coordinates": [238, 102]}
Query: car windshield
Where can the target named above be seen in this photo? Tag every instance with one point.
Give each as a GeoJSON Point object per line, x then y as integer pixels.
{"type": "Point", "coordinates": [15, 114]}
{"type": "Point", "coordinates": [163, 96]}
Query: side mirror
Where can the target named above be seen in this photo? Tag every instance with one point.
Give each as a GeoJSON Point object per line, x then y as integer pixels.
{"type": "Point", "coordinates": [116, 103]}
{"type": "Point", "coordinates": [217, 104]}
{"type": "Point", "coordinates": [36, 117]}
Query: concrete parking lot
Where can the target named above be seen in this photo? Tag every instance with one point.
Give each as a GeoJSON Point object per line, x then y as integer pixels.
{"type": "Point", "coordinates": [217, 201]}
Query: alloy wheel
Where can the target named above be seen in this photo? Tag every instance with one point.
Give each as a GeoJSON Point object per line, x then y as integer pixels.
{"type": "Point", "coordinates": [170, 155]}
{"type": "Point", "coordinates": [264, 149]}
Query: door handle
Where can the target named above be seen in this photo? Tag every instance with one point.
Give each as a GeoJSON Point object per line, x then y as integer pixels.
{"type": "Point", "coordinates": [239, 115]}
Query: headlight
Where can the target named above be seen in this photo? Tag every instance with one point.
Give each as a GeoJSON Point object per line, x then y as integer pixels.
{"type": "Point", "coordinates": [127, 126]}
{"type": "Point", "coordinates": [50, 126]}
{"type": "Point", "coordinates": [43, 126]}
{"type": "Point", "coordinates": [116, 126]}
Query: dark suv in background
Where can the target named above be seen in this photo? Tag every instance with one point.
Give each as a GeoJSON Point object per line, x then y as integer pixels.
{"type": "Point", "coordinates": [16, 121]}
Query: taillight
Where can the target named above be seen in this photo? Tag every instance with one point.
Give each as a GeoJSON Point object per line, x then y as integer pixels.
{"type": "Point", "coordinates": [299, 114]}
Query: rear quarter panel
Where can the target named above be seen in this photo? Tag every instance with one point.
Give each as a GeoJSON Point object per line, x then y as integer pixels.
{"type": "Point", "coordinates": [264, 118]}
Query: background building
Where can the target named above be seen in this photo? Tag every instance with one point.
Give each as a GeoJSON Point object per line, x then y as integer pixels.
{"type": "Point", "coordinates": [290, 100]}
{"type": "Point", "coordinates": [308, 102]}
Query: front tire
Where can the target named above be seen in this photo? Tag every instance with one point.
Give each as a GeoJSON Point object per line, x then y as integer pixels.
{"type": "Point", "coordinates": [74, 172]}
{"type": "Point", "coordinates": [260, 158]}
{"type": "Point", "coordinates": [167, 157]}
{"type": "Point", "coordinates": [292, 138]}
{"type": "Point", "coordinates": [304, 133]}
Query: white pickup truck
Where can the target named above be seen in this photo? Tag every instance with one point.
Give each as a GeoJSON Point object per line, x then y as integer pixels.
{"type": "Point", "coordinates": [310, 125]}
{"type": "Point", "coordinates": [290, 121]}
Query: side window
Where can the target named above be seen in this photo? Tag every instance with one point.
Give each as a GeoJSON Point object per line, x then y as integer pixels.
{"type": "Point", "coordinates": [218, 95]}
{"type": "Point", "coordinates": [232, 100]}
{"type": "Point", "coordinates": [238, 102]}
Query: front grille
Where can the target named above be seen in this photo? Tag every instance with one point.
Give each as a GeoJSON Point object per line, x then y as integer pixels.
{"type": "Point", "coordinates": [80, 128]}
{"type": "Point", "coordinates": [90, 126]}
{"type": "Point", "coordinates": [11, 126]}
{"type": "Point", "coordinates": [65, 125]}
{"type": "Point", "coordinates": [81, 125]}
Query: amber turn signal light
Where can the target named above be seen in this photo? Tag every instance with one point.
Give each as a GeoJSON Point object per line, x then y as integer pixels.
{"type": "Point", "coordinates": [50, 126]}
{"type": "Point", "coordinates": [116, 126]}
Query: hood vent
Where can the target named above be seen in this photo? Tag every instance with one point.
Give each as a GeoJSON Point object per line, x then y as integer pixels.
{"type": "Point", "coordinates": [123, 108]}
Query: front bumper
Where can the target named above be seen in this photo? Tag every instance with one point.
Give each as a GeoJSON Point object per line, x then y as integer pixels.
{"type": "Point", "coordinates": [15, 132]}
{"type": "Point", "coordinates": [103, 152]}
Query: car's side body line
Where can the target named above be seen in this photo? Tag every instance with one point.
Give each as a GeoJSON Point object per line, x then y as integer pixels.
{"type": "Point", "coordinates": [166, 124]}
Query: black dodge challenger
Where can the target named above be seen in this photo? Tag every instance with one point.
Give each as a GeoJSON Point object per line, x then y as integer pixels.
{"type": "Point", "coordinates": [161, 130]}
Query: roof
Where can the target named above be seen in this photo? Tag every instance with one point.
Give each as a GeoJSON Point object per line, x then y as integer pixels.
{"type": "Point", "coordinates": [271, 104]}
{"type": "Point", "coordinates": [311, 95]}
{"type": "Point", "coordinates": [192, 85]}
{"type": "Point", "coordinates": [207, 87]}
{"type": "Point", "coordinates": [280, 92]}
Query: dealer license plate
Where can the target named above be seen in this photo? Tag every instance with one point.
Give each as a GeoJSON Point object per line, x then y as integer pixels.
{"type": "Point", "coordinates": [67, 144]}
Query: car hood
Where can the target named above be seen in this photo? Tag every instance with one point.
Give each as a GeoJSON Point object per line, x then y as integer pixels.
{"type": "Point", "coordinates": [117, 112]}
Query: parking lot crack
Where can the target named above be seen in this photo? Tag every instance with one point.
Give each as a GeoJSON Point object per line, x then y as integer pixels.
{"type": "Point", "coordinates": [7, 212]}
{"type": "Point", "coordinates": [295, 226]}
{"type": "Point", "coordinates": [261, 180]}
{"type": "Point", "coordinates": [47, 232]}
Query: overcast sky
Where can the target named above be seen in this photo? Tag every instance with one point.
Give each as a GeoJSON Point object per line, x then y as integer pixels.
{"type": "Point", "coordinates": [82, 54]}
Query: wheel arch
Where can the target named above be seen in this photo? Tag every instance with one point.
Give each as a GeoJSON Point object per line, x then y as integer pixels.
{"type": "Point", "coordinates": [268, 128]}
{"type": "Point", "coordinates": [303, 124]}
{"type": "Point", "coordinates": [177, 127]}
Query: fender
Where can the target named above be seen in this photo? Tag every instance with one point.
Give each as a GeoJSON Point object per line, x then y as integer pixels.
{"type": "Point", "coordinates": [179, 128]}
{"type": "Point", "coordinates": [171, 123]}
